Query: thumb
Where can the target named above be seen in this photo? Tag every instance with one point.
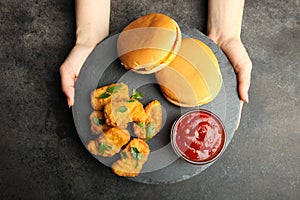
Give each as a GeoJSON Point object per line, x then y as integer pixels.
{"type": "Point", "coordinates": [244, 79]}
{"type": "Point", "coordinates": [67, 84]}
{"type": "Point", "coordinates": [242, 65]}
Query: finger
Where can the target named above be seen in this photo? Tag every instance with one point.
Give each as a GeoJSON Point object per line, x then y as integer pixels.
{"type": "Point", "coordinates": [67, 83]}
{"type": "Point", "coordinates": [244, 79]}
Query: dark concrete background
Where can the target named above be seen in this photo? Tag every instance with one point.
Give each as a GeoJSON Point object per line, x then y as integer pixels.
{"type": "Point", "coordinates": [43, 158]}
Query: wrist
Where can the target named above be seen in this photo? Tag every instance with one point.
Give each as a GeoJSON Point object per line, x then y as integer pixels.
{"type": "Point", "coordinates": [224, 20]}
{"type": "Point", "coordinates": [89, 37]}
{"type": "Point", "coordinates": [221, 38]}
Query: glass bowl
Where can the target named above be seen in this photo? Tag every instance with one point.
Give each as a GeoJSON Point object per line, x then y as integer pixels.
{"type": "Point", "coordinates": [198, 136]}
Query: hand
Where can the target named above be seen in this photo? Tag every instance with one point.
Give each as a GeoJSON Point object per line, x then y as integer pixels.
{"type": "Point", "coordinates": [70, 69]}
{"type": "Point", "coordinates": [238, 56]}
{"type": "Point", "coordinates": [242, 65]}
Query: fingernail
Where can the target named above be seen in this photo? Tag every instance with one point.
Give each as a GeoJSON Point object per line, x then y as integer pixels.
{"type": "Point", "coordinates": [247, 99]}
{"type": "Point", "coordinates": [69, 103]}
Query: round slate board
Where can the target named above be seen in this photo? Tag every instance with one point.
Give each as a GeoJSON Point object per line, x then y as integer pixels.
{"type": "Point", "coordinates": [103, 67]}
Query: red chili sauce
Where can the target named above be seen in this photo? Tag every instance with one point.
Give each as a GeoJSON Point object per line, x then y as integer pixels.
{"type": "Point", "coordinates": [199, 136]}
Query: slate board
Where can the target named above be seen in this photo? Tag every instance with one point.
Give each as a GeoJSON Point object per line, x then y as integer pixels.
{"type": "Point", "coordinates": [103, 67]}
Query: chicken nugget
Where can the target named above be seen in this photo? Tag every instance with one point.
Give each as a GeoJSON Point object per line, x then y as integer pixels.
{"type": "Point", "coordinates": [98, 124]}
{"type": "Point", "coordinates": [137, 111]}
{"type": "Point", "coordinates": [117, 113]}
{"type": "Point", "coordinates": [101, 96]}
{"type": "Point", "coordinates": [151, 127]}
{"type": "Point", "coordinates": [132, 159]}
{"type": "Point", "coordinates": [109, 143]}
{"type": "Point", "coordinates": [120, 113]}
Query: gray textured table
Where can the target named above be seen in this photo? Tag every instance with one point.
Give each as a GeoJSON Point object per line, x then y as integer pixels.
{"type": "Point", "coordinates": [42, 156]}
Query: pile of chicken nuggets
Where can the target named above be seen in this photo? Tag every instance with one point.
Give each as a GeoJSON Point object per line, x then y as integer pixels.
{"type": "Point", "coordinates": [113, 111]}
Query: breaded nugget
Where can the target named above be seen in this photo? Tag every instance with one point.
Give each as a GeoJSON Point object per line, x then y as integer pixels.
{"type": "Point", "coordinates": [98, 124]}
{"type": "Point", "coordinates": [109, 143]}
{"type": "Point", "coordinates": [132, 159]}
{"type": "Point", "coordinates": [120, 113]}
{"type": "Point", "coordinates": [137, 111]}
{"type": "Point", "coordinates": [117, 113]}
{"type": "Point", "coordinates": [101, 96]}
{"type": "Point", "coordinates": [154, 110]}
{"type": "Point", "coordinates": [151, 127]}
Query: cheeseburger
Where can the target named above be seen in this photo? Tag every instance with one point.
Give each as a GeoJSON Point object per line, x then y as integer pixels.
{"type": "Point", "coordinates": [149, 43]}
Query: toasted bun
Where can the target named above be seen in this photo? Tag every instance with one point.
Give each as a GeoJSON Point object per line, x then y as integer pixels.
{"type": "Point", "coordinates": [193, 78]}
{"type": "Point", "coordinates": [149, 43]}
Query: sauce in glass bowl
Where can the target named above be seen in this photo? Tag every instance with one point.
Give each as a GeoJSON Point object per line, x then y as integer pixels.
{"type": "Point", "coordinates": [198, 136]}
